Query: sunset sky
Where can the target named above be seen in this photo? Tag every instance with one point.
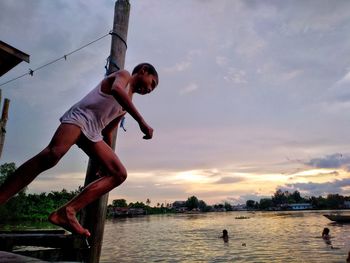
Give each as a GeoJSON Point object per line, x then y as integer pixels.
{"type": "Point", "coordinates": [253, 95]}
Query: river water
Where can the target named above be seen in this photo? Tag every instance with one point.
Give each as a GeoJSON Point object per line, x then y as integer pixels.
{"type": "Point", "coordinates": [255, 237]}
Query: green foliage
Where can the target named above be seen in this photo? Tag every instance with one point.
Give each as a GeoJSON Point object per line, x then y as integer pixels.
{"type": "Point", "coordinates": [282, 198]}
{"type": "Point", "coordinates": [31, 206]}
{"type": "Point", "coordinates": [192, 203]}
{"type": "Point", "coordinates": [335, 201]}
{"type": "Point", "coordinates": [6, 170]}
{"type": "Point", "coordinates": [202, 205]}
{"type": "Point", "coordinates": [251, 204]}
{"type": "Point", "coordinates": [159, 209]}
{"type": "Point", "coordinates": [228, 206]}
{"type": "Point", "coordinates": [265, 203]}
{"type": "Point", "coordinates": [137, 205]}
{"type": "Point", "coordinates": [119, 203]}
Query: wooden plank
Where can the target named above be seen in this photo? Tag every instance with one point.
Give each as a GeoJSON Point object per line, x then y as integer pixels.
{"type": "Point", "coordinates": [9, 240]}
{"type": "Point", "coordinates": [35, 231]}
{"type": "Point", "coordinates": [6, 257]}
{"type": "Point", "coordinates": [50, 245]}
{"type": "Point", "coordinates": [55, 254]}
{"type": "Point", "coordinates": [14, 51]}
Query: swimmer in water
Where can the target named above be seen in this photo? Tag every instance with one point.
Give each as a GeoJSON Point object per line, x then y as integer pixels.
{"type": "Point", "coordinates": [224, 235]}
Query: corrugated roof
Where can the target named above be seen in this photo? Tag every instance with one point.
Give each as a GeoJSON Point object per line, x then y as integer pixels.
{"type": "Point", "coordinates": [10, 57]}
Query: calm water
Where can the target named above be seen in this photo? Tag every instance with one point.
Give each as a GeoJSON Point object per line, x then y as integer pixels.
{"type": "Point", "coordinates": [264, 237]}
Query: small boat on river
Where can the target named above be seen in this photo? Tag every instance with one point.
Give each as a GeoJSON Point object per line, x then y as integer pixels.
{"type": "Point", "coordinates": [338, 218]}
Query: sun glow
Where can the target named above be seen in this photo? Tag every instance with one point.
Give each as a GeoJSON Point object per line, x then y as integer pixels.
{"type": "Point", "coordinates": [193, 177]}
{"type": "Point", "coordinates": [313, 172]}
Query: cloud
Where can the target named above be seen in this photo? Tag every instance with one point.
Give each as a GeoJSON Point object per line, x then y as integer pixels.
{"type": "Point", "coordinates": [242, 199]}
{"type": "Point", "coordinates": [276, 48]}
{"type": "Point", "coordinates": [344, 80]}
{"type": "Point", "coordinates": [188, 89]}
{"type": "Point", "coordinates": [236, 76]}
{"type": "Point", "coordinates": [338, 95]}
{"type": "Point", "coordinates": [308, 20]}
{"type": "Point", "coordinates": [316, 175]}
{"type": "Point", "coordinates": [178, 67]}
{"type": "Point", "coordinates": [332, 161]}
{"type": "Point", "coordinates": [230, 180]}
{"type": "Point", "coordinates": [186, 63]}
{"type": "Point", "coordinates": [286, 76]}
{"type": "Point", "coordinates": [316, 189]}
{"type": "Point", "coordinates": [221, 61]}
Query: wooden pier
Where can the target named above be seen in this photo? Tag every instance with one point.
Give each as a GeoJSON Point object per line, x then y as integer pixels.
{"type": "Point", "coordinates": [50, 245]}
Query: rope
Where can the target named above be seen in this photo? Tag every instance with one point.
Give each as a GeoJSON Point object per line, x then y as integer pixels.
{"type": "Point", "coordinates": [109, 61]}
{"type": "Point", "coordinates": [122, 124]}
{"type": "Point", "coordinates": [118, 36]}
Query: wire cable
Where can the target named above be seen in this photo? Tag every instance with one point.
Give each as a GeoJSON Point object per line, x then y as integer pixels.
{"type": "Point", "coordinates": [31, 71]}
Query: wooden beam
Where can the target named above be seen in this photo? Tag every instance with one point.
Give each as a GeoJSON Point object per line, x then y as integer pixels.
{"type": "Point", "coordinates": [3, 122]}
{"type": "Point", "coordinates": [94, 215]}
{"type": "Point", "coordinates": [14, 51]}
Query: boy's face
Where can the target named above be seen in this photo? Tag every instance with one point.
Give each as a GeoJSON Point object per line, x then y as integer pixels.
{"type": "Point", "coordinates": [145, 83]}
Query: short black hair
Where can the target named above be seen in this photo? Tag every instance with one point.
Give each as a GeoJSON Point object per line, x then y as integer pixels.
{"type": "Point", "coordinates": [149, 68]}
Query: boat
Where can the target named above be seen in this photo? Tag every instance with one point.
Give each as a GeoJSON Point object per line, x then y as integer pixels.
{"type": "Point", "coordinates": [338, 218]}
{"type": "Point", "coordinates": [241, 217]}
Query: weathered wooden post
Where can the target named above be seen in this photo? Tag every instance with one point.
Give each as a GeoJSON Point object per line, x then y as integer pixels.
{"type": "Point", "coordinates": [93, 216]}
{"type": "Point", "coordinates": [3, 121]}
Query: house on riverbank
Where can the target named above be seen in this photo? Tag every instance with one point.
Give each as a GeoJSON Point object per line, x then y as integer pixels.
{"type": "Point", "coordinates": [299, 206]}
{"type": "Point", "coordinates": [126, 212]}
{"type": "Point", "coordinates": [180, 206]}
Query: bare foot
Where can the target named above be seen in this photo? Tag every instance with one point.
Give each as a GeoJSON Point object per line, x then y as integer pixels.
{"type": "Point", "coordinates": [65, 217]}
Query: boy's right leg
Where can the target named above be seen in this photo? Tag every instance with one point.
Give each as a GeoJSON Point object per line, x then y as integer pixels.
{"type": "Point", "coordinates": [101, 152]}
{"type": "Point", "coordinates": [65, 136]}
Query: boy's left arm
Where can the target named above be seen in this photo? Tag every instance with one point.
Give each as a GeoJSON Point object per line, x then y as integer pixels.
{"type": "Point", "coordinates": [118, 92]}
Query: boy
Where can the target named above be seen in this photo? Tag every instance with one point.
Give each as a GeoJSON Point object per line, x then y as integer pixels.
{"type": "Point", "coordinates": [89, 124]}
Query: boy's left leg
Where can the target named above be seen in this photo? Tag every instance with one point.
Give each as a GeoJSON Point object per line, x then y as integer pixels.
{"type": "Point", "coordinates": [100, 151]}
{"type": "Point", "coordinates": [65, 136]}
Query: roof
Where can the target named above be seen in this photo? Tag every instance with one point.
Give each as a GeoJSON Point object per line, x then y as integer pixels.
{"type": "Point", "coordinates": [10, 57]}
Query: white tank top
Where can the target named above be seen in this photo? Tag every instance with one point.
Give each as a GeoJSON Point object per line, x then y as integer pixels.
{"type": "Point", "coordinates": [93, 113]}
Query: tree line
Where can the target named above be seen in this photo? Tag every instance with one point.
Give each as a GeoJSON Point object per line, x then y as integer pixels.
{"type": "Point", "coordinates": [191, 204]}
{"type": "Point", "coordinates": [281, 199]}
{"type": "Point", "coordinates": [25, 206]}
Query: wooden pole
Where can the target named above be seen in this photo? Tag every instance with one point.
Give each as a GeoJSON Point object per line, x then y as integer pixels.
{"type": "Point", "coordinates": [94, 215]}
{"type": "Point", "coordinates": [3, 121]}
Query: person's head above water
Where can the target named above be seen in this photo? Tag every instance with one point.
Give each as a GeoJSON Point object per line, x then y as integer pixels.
{"type": "Point", "coordinates": [325, 232]}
